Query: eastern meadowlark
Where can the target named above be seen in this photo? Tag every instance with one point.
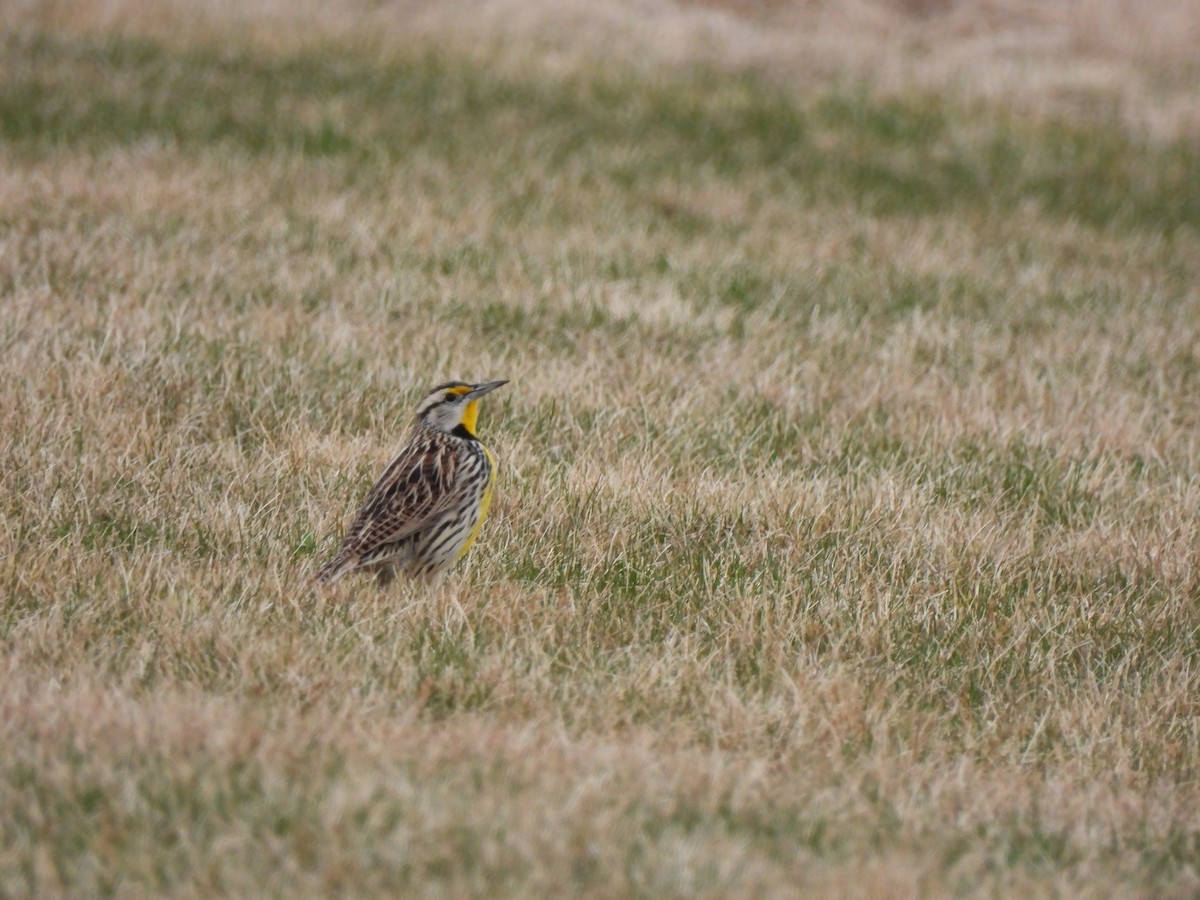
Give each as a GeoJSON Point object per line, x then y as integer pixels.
{"type": "Point", "coordinates": [427, 507]}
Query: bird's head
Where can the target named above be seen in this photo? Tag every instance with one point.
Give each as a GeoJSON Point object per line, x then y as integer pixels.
{"type": "Point", "coordinates": [453, 407]}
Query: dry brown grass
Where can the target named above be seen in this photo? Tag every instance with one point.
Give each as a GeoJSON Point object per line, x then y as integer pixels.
{"type": "Point", "coordinates": [846, 538]}
{"type": "Point", "coordinates": [1086, 58]}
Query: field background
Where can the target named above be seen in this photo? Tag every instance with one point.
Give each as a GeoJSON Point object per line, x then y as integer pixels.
{"type": "Point", "coordinates": [846, 535]}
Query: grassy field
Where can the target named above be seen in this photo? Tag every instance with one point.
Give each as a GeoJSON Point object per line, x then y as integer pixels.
{"type": "Point", "coordinates": [846, 534]}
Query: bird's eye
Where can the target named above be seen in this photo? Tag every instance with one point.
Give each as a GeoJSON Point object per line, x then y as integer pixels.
{"type": "Point", "coordinates": [450, 398]}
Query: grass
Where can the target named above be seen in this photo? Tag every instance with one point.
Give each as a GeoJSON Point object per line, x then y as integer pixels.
{"type": "Point", "coordinates": [845, 539]}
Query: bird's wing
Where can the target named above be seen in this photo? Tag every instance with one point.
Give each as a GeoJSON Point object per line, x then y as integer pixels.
{"type": "Point", "coordinates": [413, 490]}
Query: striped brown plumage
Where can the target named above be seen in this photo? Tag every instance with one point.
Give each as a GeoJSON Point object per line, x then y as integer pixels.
{"type": "Point", "coordinates": [425, 510]}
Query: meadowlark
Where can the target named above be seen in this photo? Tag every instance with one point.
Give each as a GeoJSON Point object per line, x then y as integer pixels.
{"type": "Point", "coordinates": [427, 507]}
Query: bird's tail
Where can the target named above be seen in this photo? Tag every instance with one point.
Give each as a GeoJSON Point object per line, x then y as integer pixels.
{"type": "Point", "coordinates": [335, 568]}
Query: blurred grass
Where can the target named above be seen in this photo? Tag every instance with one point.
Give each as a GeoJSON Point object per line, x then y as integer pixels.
{"type": "Point", "coordinates": [900, 156]}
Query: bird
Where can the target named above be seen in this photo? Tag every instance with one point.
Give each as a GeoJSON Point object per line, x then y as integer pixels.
{"type": "Point", "coordinates": [428, 506]}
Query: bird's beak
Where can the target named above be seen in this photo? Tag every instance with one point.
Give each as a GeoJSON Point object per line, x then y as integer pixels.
{"type": "Point", "coordinates": [480, 389]}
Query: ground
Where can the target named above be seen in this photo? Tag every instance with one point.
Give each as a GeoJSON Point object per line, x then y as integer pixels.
{"type": "Point", "coordinates": [845, 539]}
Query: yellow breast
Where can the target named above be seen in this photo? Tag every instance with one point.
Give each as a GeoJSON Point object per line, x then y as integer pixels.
{"type": "Point", "coordinates": [484, 502]}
